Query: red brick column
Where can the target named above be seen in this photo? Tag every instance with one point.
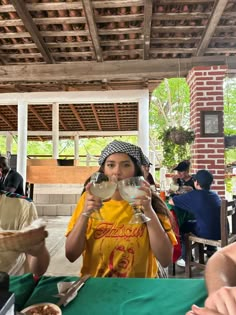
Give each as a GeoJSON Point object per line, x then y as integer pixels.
{"type": "Point", "coordinates": [206, 91]}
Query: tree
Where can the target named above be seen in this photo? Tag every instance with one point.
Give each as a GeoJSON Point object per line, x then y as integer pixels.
{"type": "Point", "coordinates": [170, 111]}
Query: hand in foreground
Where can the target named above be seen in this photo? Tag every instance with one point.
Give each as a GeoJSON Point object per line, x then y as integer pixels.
{"type": "Point", "coordinates": [222, 301]}
{"type": "Point", "coordinates": [202, 311]}
{"type": "Point", "coordinates": [36, 249]}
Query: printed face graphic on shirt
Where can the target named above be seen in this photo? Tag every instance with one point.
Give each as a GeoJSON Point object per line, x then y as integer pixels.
{"type": "Point", "coordinates": [121, 260]}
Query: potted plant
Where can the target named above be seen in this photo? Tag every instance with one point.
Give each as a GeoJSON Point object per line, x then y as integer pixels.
{"type": "Point", "coordinates": [175, 142]}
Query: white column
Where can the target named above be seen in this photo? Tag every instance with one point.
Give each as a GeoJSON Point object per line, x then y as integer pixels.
{"type": "Point", "coordinates": [22, 138]}
{"type": "Point", "coordinates": [143, 123]}
{"type": "Point", "coordinates": [76, 146]}
{"type": "Point", "coordinates": [55, 129]}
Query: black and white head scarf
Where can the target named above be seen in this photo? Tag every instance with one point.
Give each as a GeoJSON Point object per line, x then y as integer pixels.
{"type": "Point", "coordinates": [146, 161]}
{"type": "Point", "coordinates": [122, 147]}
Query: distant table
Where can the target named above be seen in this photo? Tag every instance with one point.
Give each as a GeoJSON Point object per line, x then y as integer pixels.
{"type": "Point", "coordinates": [119, 296]}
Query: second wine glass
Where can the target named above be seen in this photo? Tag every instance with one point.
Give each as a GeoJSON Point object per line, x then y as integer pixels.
{"type": "Point", "coordinates": [129, 190]}
{"type": "Point", "coordinates": [103, 187]}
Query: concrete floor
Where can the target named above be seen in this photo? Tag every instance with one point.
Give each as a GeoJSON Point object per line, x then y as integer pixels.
{"type": "Point", "coordinates": [60, 266]}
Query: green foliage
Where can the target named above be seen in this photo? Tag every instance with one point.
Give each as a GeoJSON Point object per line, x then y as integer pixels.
{"type": "Point", "coordinates": [229, 107]}
{"type": "Point", "coordinates": [174, 152]}
{"type": "Point", "coordinates": [170, 111]}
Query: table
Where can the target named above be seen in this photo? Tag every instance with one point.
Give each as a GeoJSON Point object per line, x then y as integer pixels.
{"type": "Point", "coordinates": [119, 296]}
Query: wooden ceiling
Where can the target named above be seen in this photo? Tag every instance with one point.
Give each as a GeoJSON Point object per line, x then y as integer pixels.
{"type": "Point", "coordinates": [69, 45]}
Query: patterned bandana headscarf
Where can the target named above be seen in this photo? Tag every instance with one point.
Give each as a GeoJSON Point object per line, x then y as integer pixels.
{"type": "Point", "coordinates": [122, 147]}
{"type": "Point", "coordinates": [146, 161]}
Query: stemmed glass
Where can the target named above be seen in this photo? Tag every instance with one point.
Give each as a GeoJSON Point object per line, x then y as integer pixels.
{"type": "Point", "coordinates": [129, 190]}
{"type": "Point", "coordinates": [103, 187]}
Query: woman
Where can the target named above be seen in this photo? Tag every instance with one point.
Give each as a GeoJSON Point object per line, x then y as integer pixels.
{"type": "Point", "coordinates": [114, 248]}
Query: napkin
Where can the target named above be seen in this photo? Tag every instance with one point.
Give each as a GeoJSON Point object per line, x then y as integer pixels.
{"type": "Point", "coordinates": [62, 289]}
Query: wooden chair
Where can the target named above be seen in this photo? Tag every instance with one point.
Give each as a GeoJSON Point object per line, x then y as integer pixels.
{"type": "Point", "coordinates": [228, 209]}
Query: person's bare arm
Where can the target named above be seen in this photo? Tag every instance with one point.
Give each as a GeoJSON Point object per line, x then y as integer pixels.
{"type": "Point", "coordinates": [220, 269]}
{"type": "Point", "coordinates": [221, 284]}
{"type": "Point", "coordinates": [160, 243]}
{"type": "Point", "coordinates": [75, 242]}
{"type": "Point", "coordinates": [38, 259]}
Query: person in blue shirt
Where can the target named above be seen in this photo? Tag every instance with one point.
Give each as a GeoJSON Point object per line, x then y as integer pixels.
{"type": "Point", "coordinates": [204, 204]}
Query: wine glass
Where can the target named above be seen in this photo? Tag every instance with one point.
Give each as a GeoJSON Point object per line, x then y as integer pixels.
{"type": "Point", "coordinates": [129, 190]}
{"type": "Point", "coordinates": [174, 187]}
{"type": "Point", "coordinates": [103, 187]}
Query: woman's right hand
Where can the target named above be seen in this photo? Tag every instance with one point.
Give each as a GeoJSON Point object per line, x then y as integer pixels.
{"type": "Point", "coordinates": [92, 203]}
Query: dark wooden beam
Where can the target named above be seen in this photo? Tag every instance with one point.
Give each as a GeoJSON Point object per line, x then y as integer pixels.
{"type": "Point", "coordinates": [88, 9]}
{"type": "Point", "coordinates": [211, 27]}
{"type": "Point", "coordinates": [24, 14]}
{"type": "Point", "coordinates": [34, 111]}
{"type": "Point", "coordinates": [96, 117]}
{"type": "Point", "coordinates": [13, 109]}
{"type": "Point", "coordinates": [7, 121]}
{"type": "Point", "coordinates": [109, 70]}
{"type": "Point", "coordinates": [147, 27]}
{"type": "Point", "coordinates": [77, 116]}
{"type": "Point", "coordinates": [117, 116]}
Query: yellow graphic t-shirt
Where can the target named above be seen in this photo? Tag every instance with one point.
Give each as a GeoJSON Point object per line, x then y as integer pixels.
{"type": "Point", "coordinates": [115, 248]}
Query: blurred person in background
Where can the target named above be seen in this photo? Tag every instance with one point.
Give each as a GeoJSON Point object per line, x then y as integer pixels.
{"type": "Point", "coordinates": [17, 213]}
{"type": "Point", "coordinates": [10, 180]}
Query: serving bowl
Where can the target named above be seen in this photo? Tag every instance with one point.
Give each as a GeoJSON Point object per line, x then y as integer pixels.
{"type": "Point", "coordinates": [42, 309]}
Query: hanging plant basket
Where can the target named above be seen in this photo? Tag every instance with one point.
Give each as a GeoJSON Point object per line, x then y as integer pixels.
{"type": "Point", "coordinates": [180, 135]}
{"type": "Point", "coordinates": [175, 142]}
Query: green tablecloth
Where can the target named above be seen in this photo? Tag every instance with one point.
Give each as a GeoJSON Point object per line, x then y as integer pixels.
{"type": "Point", "coordinates": [23, 287]}
{"type": "Point", "coordinates": [106, 296]}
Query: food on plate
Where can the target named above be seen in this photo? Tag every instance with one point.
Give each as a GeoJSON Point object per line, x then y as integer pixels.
{"type": "Point", "coordinates": [42, 309]}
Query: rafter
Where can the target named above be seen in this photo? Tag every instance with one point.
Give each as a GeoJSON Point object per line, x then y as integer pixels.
{"type": "Point", "coordinates": [148, 4]}
{"type": "Point", "coordinates": [33, 110]}
{"type": "Point", "coordinates": [24, 14]}
{"type": "Point", "coordinates": [4, 118]}
{"type": "Point", "coordinates": [96, 117]}
{"type": "Point", "coordinates": [214, 19]}
{"type": "Point", "coordinates": [14, 111]}
{"type": "Point", "coordinates": [117, 116]}
{"type": "Point", "coordinates": [88, 9]}
{"type": "Point", "coordinates": [73, 109]}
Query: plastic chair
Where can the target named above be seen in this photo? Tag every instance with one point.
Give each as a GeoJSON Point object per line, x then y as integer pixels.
{"type": "Point", "coordinates": [228, 209]}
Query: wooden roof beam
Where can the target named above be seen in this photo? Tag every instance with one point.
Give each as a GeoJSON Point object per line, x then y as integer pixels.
{"type": "Point", "coordinates": [88, 9]}
{"type": "Point", "coordinates": [115, 70]}
{"type": "Point", "coordinates": [4, 118]}
{"type": "Point", "coordinates": [14, 111]}
{"type": "Point", "coordinates": [117, 116]}
{"type": "Point", "coordinates": [96, 117]}
{"type": "Point", "coordinates": [147, 27]}
{"type": "Point", "coordinates": [33, 110]}
{"type": "Point", "coordinates": [77, 5]}
{"type": "Point", "coordinates": [213, 22]}
{"type": "Point", "coordinates": [74, 111]}
{"type": "Point", "coordinates": [24, 14]}
{"type": "Point", "coordinates": [60, 119]}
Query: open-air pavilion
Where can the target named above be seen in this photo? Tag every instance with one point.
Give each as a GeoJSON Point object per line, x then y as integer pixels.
{"type": "Point", "coordinates": [87, 68]}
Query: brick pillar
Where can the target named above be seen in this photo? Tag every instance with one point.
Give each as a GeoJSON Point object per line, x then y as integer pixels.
{"type": "Point", "coordinates": [206, 91]}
